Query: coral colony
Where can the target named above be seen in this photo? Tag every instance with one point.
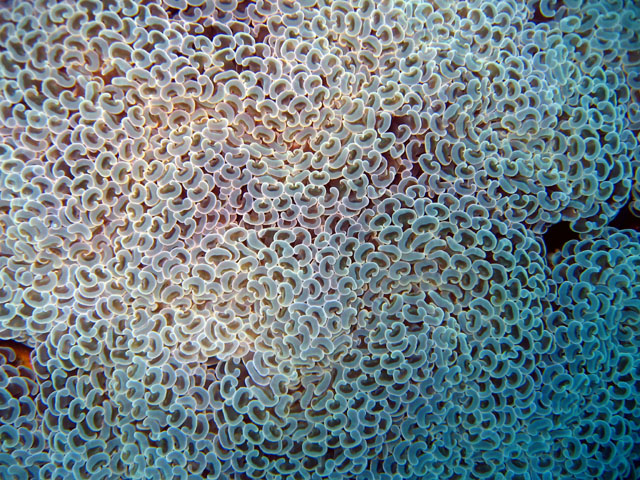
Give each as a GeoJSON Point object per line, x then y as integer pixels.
{"type": "Point", "coordinates": [303, 240]}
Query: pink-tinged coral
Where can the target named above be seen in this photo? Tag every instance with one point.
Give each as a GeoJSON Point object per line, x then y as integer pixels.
{"type": "Point", "coordinates": [303, 239]}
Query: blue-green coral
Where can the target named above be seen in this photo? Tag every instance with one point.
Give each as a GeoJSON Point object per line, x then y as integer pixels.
{"type": "Point", "coordinates": [593, 370]}
{"type": "Point", "coordinates": [303, 239]}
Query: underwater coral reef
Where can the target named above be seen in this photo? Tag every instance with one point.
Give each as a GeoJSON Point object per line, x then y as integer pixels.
{"type": "Point", "coordinates": [305, 240]}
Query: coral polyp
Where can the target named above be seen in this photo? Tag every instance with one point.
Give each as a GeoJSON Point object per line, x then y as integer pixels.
{"type": "Point", "coordinates": [304, 239]}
